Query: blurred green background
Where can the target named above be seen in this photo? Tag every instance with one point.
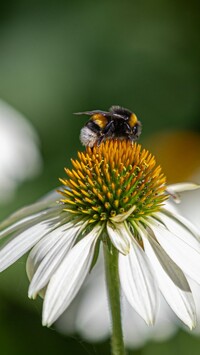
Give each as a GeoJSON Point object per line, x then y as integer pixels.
{"type": "Point", "coordinates": [60, 57]}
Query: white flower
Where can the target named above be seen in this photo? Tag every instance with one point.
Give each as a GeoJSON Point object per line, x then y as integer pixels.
{"type": "Point", "coordinates": [19, 155]}
{"type": "Point", "coordinates": [115, 195]}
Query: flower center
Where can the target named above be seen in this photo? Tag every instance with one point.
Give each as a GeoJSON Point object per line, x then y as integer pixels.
{"type": "Point", "coordinates": [112, 178]}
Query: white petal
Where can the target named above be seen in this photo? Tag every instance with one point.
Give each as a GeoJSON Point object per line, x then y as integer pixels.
{"type": "Point", "coordinates": [177, 227]}
{"type": "Point", "coordinates": [196, 292]}
{"type": "Point", "coordinates": [170, 206]}
{"type": "Point", "coordinates": [184, 251]}
{"type": "Point", "coordinates": [175, 189]}
{"type": "Point", "coordinates": [50, 198]}
{"type": "Point", "coordinates": [172, 282]}
{"type": "Point", "coordinates": [47, 255]}
{"type": "Point", "coordinates": [136, 332]}
{"type": "Point", "coordinates": [181, 187]}
{"type": "Point", "coordinates": [119, 237]}
{"type": "Point", "coordinates": [93, 318]}
{"type": "Point", "coordinates": [122, 216]}
{"type": "Point", "coordinates": [184, 221]}
{"type": "Point", "coordinates": [67, 280]}
{"type": "Point", "coordinates": [88, 314]}
{"type": "Point", "coordinates": [45, 202]}
{"type": "Point", "coordinates": [190, 207]}
{"type": "Point", "coordinates": [41, 249]}
{"type": "Point", "coordinates": [138, 282]}
{"type": "Point", "coordinates": [21, 243]}
{"type": "Point", "coordinates": [8, 227]}
{"type": "Point", "coordinates": [22, 220]}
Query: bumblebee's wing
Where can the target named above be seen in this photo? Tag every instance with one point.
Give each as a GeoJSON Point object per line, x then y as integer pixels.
{"type": "Point", "coordinates": [91, 113]}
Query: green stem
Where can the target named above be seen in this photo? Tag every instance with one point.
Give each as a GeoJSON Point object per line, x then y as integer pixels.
{"type": "Point", "coordinates": [113, 286]}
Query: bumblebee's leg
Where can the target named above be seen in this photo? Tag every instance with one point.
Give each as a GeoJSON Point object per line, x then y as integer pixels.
{"type": "Point", "coordinates": [109, 129]}
{"type": "Point", "coordinates": [106, 132]}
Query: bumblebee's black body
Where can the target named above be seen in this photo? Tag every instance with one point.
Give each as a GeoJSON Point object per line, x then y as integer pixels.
{"type": "Point", "coordinates": [117, 123]}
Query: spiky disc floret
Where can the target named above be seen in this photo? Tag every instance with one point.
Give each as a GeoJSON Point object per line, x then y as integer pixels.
{"type": "Point", "coordinates": [109, 179]}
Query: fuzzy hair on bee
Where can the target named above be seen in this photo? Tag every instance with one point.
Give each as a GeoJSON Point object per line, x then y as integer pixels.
{"type": "Point", "coordinates": [117, 123]}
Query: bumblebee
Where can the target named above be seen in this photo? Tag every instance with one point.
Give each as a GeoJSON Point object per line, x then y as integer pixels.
{"type": "Point", "coordinates": [118, 122]}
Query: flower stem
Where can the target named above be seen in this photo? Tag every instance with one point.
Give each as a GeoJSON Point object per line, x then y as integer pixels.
{"type": "Point", "coordinates": [113, 286]}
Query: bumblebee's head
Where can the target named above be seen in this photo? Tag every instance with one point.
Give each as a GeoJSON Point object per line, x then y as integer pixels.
{"type": "Point", "coordinates": [131, 121]}
{"type": "Point", "coordinates": [125, 114]}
